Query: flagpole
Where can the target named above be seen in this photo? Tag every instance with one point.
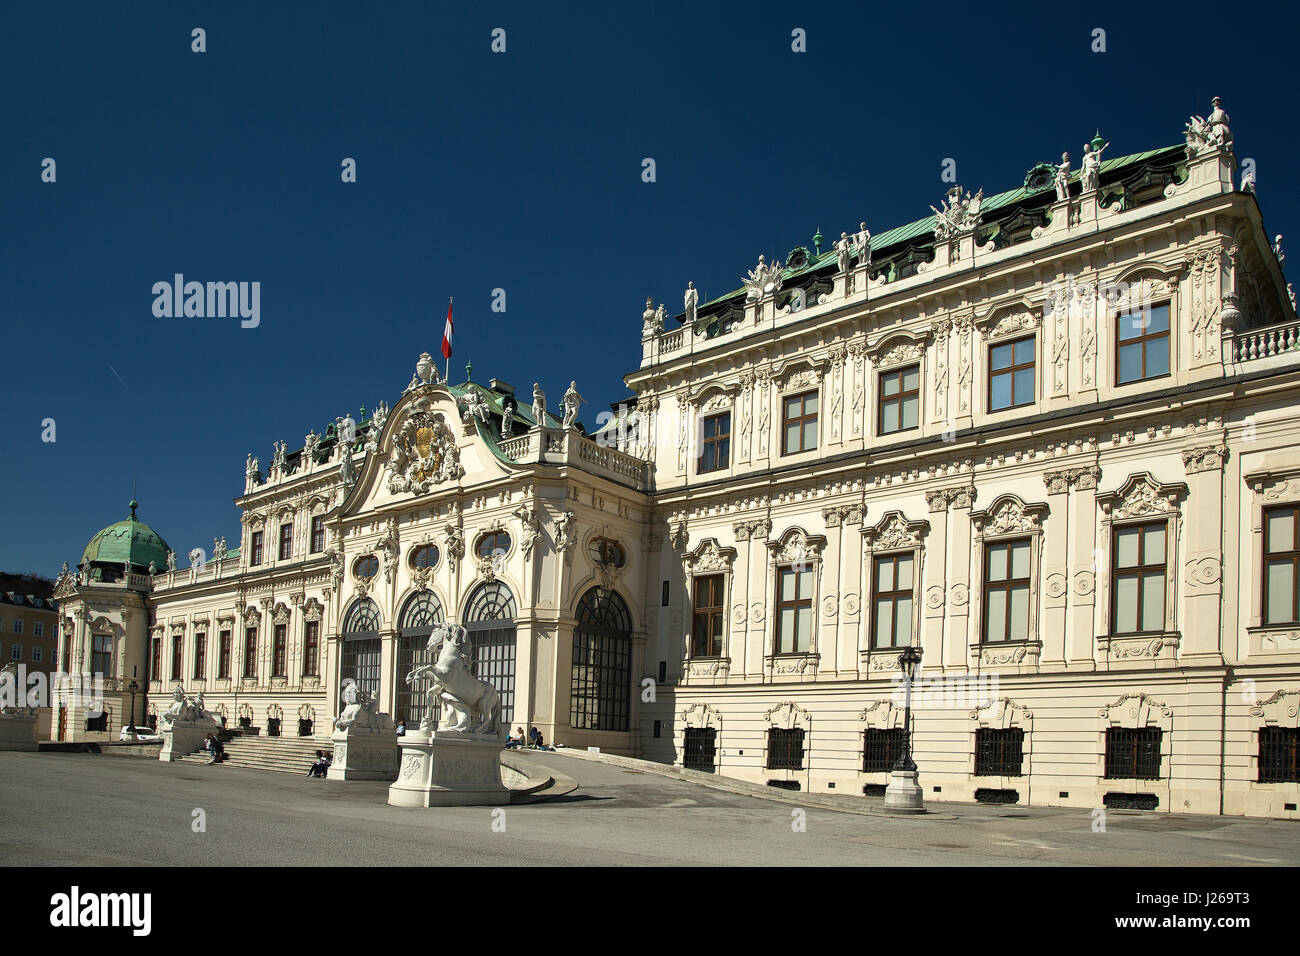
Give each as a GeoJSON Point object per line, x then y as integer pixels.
{"type": "Point", "coordinates": [446, 375]}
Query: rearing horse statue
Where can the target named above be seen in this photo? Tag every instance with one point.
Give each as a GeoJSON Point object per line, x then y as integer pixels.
{"type": "Point", "coordinates": [473, 705]}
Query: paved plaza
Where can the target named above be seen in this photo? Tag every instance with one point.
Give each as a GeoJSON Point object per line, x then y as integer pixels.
{"type": "Point", "coordinates": [94, 810]}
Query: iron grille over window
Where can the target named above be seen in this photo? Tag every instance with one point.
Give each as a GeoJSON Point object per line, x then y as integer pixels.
{"type": "Point", "coordinates": [304, 727]}
{"type": "Point", "coordinates": [99, 723]}
{"type": "Point", "coordinates": [361, 646]}
{"type": "Point", "coordinates": [273, 726]}
{"type": "Point", "coordinates": [601, 683]}
{"type": "Point", "coordinates": [881, 749]}
{"type": "Point", "coordinates": [1279, 755]}
{"type": "Point", "coordinates": [785, 749]}
{"type": "Point", "coordinates": [490, 621]}
{"type": "Point", "coordinates": [419, 615]}
{"type": "Point", "coordinates": [699, 748]}
{"type": "Point", "coordinates": [1133, 754]}
{"type": "Point", "coordinates": [999, 753]}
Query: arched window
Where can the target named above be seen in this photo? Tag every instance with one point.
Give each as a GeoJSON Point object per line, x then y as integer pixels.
{"type": "Point", "coordinates": [425, 556]}
{"type": "Point", "coordinates": [490, 619]}
{"type": "Point", "coordinates": [366, 567]}
{"type": "Point", "coordinates": [361, 644]}
{"type": "Point", "coordinates": [601, 685]}
{"type": "Point", "coordinates": [493, 543]}
{"type": "Point", "coordinates": [419, 615]}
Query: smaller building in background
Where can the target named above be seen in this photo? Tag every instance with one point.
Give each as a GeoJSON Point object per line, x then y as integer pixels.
{"type": "Point", "coordinates": [28, 622]}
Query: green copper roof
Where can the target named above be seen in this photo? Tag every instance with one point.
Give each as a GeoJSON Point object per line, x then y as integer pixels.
{"type": "Point", "coordinates": [130, 540]}
{"type": "Point", "coordinates": [925, 227]}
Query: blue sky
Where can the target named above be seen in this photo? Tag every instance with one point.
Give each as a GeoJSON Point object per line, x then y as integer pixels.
{"type": "Point", "coordinates": [478, 171]}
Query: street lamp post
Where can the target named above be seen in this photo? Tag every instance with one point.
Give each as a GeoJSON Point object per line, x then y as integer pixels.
{"type": "Point", "coordinates": [134, 688]}
{"type": "Point", "coordinates": [903, 794]}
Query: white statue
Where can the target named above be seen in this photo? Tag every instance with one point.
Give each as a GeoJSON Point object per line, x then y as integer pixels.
{"type": "Point", "coordinates": [359, 709]}
{"type": "Point", "coordinates": [152, 569]}
{"type": "Point", "coordinates": [471, 705]}
{"type": "Point", "coordinates": [171, 560]}
{"type": "Point", "coordinates": [1277, 251]}
{"type": "Point", "coordinates": [196, 558]}
{"type": "Point", "coordinates": [844, 252]}
{"type": "Point", "coordinates": [959, 216]}
{"type": "Point", "coordinates": [475, 407]}
{"type": "Point", "coordinates": [251, 468]}
{"type": "Point", "coordinates": [539, 403]}
{"type": "Point", "coordinates": [507, 418]}
{"type": "Point", "coordinates": [564, 532]}
{"type": "Point", "coordinates": [691, 299]}
{"type": "Point", "coordinates": [1090, 170]}
{"type": "Point", "coordinates": [862, 245]}
{"type": "Point", "coordinates": [1205, 134]}
{"type": "Point", "coordinates": [648, 327]}
{"type": "Point", "coordinates": [571, 402]}
{"type": "Point", "coordinates": [280, 452]}
{"type": "Point", "coordinates": [1248, 179]}
{"type": "Point", "coordinates": [379, 416]}
{"type": "Point", "coordinates": [309, 443]}
{"type": "Point", "coordinates": [1290, 294]}
{"type": "Point", "coordinates": [1062, 179]}
{"type": "Point", "coordinates": [763, 279]}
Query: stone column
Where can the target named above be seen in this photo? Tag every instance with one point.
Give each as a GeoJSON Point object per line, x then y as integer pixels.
{"type": "Point", "coordinates": [934, 590]}
{"type": "Point", "coordinates": [1086, 563]}
{"type": "Point", "coordinates": [960, 500]}
{"type": "Point", "coordinates": [1055, 570]}
{"type": "Point", "coordinates": [1203, 571]}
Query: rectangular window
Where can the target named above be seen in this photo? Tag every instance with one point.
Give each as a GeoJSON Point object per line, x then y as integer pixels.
{"type": "Point", "coordinates": [250, 652]}
{"type": "Point", "coordinates": [1279, 755]}
{"type": "Point", "coordinates": [1006, 590]}
{"type": "Point", "coordinates": [279, 650]}
{"type": "Point", "coordinates": [18, 625]}
{"type": "Point", "coordinates": [286, 541]}
{"type": "Point", "coordinates": [799, 423]}
{"type": "Point", "coordinates": [1138, 579]}
{"type": "Point", "coordinates": [318, 534]}
{"type": "Point", "coordinates": [223, 656]}
{"type": "Point", "coordinates": [255, 557]}
{"type": "Point", "coordinates": [101, 654]}
{"type": "Point", "coordinates": [699, 749]}
{"type": "Point", "coordinates": [38, 629]}
{"type": "Point", "coordinates": [900, 400]}
{"type": "Point", "coordinates": [881, 749]}
{"type": "Point", "coordinates": [36, 655]}
{"type": "Point", "coordinates": [1143, 345]}
{"type": "Point", "coordinates": [706, 636]}
{"type": "Point", "coordinates": [999, 753]}
{"type": "Point", "coordinates": [178, 653]}
{"type": "Point", "coordinates": [16, 652]}
{"type": "Point", "coordinates": [1011, 374]}
{"type": "Point", "coordinates": [155, 660]}
{"type": "Point", "coordinates": [1281, 565]}
{"type": "Point", "coordinates": [200, 656]}
{"type": "Point", "coordinates": [891, 620]}
{"type": "Point", "coordinates": [311, 649]}
{"type": "Point", "coordinates": [793, 610]}
{"type": "Point", "coordinates": [1133, 754]}
{"type": "Point", "coordinates": [785, 749]}
{"type": "Point", "coordinates": [715, 453]}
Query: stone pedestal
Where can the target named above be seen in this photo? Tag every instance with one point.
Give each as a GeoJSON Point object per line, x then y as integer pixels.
{"type": "Point", "coordinates": [184, 737]}
{"type": "Point", "coordinates": [18, 731]}
{"type": "Point", "coordinates": [364, 754]}
{"type": "Point", "coordinates": [442, 769]}
{"type": "Point", "coordinates": [903, 794]}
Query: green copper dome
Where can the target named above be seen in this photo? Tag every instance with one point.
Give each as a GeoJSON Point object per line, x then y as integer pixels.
{"type": "Point", "coordinates": [130, 540]}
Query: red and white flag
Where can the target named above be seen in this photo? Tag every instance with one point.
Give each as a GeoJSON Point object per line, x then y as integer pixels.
{"type": "Point", "coordinates": [446, 334]}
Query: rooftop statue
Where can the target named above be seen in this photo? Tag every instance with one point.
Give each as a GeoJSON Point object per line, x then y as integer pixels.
{"type": "Point", "coordinates": [539, 401]}
{"type": "Point", "coordinates": [1277, 250]}
{"type": "Point", "coordinates": [959, 215]}
{"type": "Point", "coordinates": [691, 299]}
{"type": "Point", "coordinates": [1090, 172]}
{"type": "Point", "coordinates": [171, 560]}
{"type": "Point", "coordinates": [862, 245]}
{"type": "Point", "coordinates": [571, 402]}
{"type": "Point", "coordinates": [309, 445]}
{"type": "Point", "coordinates": [252, 468]}
{"type": "Point", "coordinates": [1204, 134]}
{"type": "Point", "coordinates": [475, 407]}
{"type": "Point", "coordinates": [763, 279]}
{"type": "Point", "coordinates": [508, 418]}
{"type": "Point", "coordinates": [648, 327]}
{"type": "Point", "coordinates": [844, 252]}
{"type": "Point", "coordinates": [1062, 178]}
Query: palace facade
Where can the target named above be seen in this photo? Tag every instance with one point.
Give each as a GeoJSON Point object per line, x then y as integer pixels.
{"type": "Point", "coordinates": [1048, 436]}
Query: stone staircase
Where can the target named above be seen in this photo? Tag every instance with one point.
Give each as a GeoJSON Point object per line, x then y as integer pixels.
{"type": "Point", "coordinates": [280, 754]}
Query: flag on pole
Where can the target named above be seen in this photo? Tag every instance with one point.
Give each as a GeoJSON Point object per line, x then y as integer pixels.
{"type": "Point", "coordinates": [446, 334]}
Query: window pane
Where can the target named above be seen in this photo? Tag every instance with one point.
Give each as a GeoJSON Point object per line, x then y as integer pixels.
{"type": "Point", "coordinates": [911, 408]}
{"type": "Point", "coordinates": [998, 563]}
{"type": "Point", "coordinates": [1020, 560]}
{"type": "Point", "coordinates": [804, 585]}
{"type": "Point", "coordinates": [1130, 363]}
{"type": "Point", "coordinates": [1153, 602]}
{"type": "Point", "coordinates": [1000, 356]}
{"type": "Point", "coordinates": [1024, 351]}
{"type": "Point", "coordinates": [1158, 319]}
{"type": "Point", "coordinates": [884, 619]}
{"type": "Point", "coordinates": [1126, 605]}
{"type": "Point", "coordinates": [810, 404]}
{"type": "Point", "coordinates": [997, 616]}
{"type": "Point", "coordinates": [911, 379]}
{"type": "Point", "coordinates": [1157, 357]}
{"type": "Point", "coordinates": [889, 418]}
{"type": "Point", "coordinates": [791, 407]}
{"type": "Point", "coordinates": [1155, 546]}
{"type": "Point", "coordinates": [884, 574]}
{"type": "Point", "coordinates": [787, 629]}
{"type": "Point", "coordinates": [1126, 540]}
{"type": "Point", "coordinates": [1281, 531]}
{"type": "Point", "coordinates": [791, 438]}
{"type": "Point", "coordinates": [903, 621]}
{"type": "Point", "coordinates": [1131, 326]}
{"type": "Point", "coordinates": [1280, 600]}
{"type": "Point", "coordinates": [904, 572]}
{"type": "Point", "coordinates": [787, 585]}
{"type": "Point", "coordinates": [890, 384]}
{"type": "Point", "coordinates": [1001, 391]}
{"type": "Point", "coordinates": [724, 453]}
{"type": "Point", "coordinates": [1025, 386]}
{"type": "Point", "coordinates": [805, 629]}
{"type": "Point", "coordinates": [1020, 613]}
{"type": "Point", "coordinates": [809, 435]}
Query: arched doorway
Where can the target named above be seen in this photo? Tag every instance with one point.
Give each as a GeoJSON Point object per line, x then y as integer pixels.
{"type": "Point", "coordinates": [419, 615]}
{"type": "Point", "coordinates": [490, 619]}
{"type": "Point", "coordinates": [601, 685]}
{"type": "Point", "coordinates": [360, 657]}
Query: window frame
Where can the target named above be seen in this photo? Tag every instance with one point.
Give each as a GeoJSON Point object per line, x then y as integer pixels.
{"type": "Point", "coordinates": [1140, 571]}
{"type": "Point", "coordinates": [285, 551]}
{"type": "Point", "coordinates": [795, 605]}
{"type": "Point", "coordinates": [1110, 759]}
{"type": "Point", "coordinates": [803, 419]}
{"type": "Point", "coordinates": [903, 394]}
{"type": "Point", "coordinates": [715, 642]}
{"type": "Point", "coordinates": [317, 534]}
{"type": "Point", "coordinates": [1167, 334]}
{"type": "Point", "coordinates": [250, 652]}
{"type": "Point", "coordinates": [893, 596]}
{"type": "Point", "coordinates": [255, 548]}
{"type": "Point", "coordinates": [1011, 371]}
{"type": "Point", "coordinates": [311, 649]}
{"type": "Point", "coordinates": [1006, 585]}
{"type": "Point", "coordinates": [1269, 557]}
{"type": "Point", "coordinates": [280, 649]}
{"type": "Point", "coordinates": [225, 639]}
{"type": "Point", "coordinates": [200, 655]}
{"type": "Point", "coordinates": [720, 440]}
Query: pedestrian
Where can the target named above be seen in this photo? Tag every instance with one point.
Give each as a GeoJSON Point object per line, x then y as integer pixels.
{"type": "Point", "coordinates": [321, 767]}
{"type": "Point", "coordinates": [401, 728]}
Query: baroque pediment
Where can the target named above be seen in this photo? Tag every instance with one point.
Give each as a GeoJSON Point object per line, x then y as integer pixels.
{"type": "Point", "coordinates": [1142, 495]}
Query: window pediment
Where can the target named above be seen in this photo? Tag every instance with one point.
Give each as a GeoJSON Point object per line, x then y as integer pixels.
{"type": "Point", "coordinates": [709, 557]}
{"type": "Point", "coordinates": [898, 348]}
{"type": "Point", "coordinates": [1008, 514]}
{"type": "Point", "coordinates": [796, 547]}
{"type": "Point", "coordinates": [1015, 318]}
{"type": "Point", "coordinates": [1142, 495]}
{"type": "Point", "coordinates": [893, 532]}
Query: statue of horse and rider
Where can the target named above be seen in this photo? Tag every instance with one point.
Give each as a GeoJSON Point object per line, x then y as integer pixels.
{"type": "Point", "coordinates": [472, 705]}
